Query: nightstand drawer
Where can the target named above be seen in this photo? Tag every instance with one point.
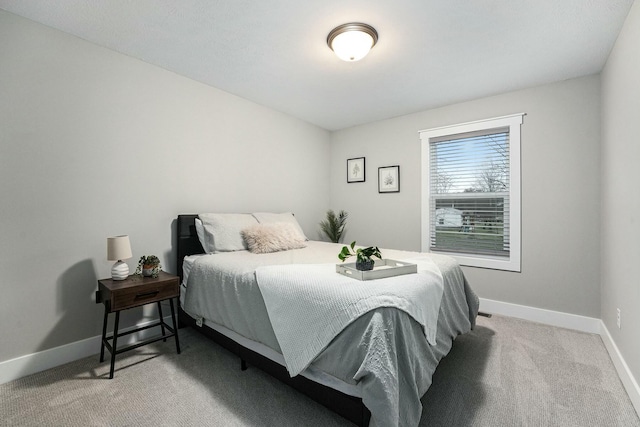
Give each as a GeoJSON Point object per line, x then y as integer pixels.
{"type": "Point", "coordinates": [144, 294]}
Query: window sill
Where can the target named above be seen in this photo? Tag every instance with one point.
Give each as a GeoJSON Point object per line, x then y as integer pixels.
{"type": "Point", "coordinates": [480, 261]}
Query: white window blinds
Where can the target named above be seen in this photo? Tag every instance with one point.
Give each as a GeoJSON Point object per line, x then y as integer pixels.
{"type": "Point", "coordinates": [469, 193]}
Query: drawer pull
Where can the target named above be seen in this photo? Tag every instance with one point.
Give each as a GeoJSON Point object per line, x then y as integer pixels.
{"type": "Point", "coordinates": [147, 294]}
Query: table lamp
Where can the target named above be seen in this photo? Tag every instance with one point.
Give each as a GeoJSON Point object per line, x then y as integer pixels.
{"type": "Point", "coordinates": [119, 248]}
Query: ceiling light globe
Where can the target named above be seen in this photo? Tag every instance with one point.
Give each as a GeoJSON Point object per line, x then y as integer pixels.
{"type": "Point", "coordinates": [352, 45]}
{"type": "Point", "coordinates": [353, 41]}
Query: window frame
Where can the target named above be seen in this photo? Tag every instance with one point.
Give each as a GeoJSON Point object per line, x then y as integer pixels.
{"type": "Point", "coordinates": [513, 122]}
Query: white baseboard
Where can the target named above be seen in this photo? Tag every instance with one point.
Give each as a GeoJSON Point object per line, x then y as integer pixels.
{"type": "Point", "coordinates": [541, 315]}
{"type": "Point", "coordinates": [575, 322]}
{"type": "Point", "coordinates": [629, 382]}
{"type": "Point", "coordinates": [32, 363]}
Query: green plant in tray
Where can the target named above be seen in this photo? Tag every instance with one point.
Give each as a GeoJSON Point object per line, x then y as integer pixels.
{"type": "Point", "coordinates": [363, 256]}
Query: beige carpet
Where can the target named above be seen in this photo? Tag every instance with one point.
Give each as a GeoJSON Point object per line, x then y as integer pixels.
{"type": "Point", "coordinates": [507, 372]}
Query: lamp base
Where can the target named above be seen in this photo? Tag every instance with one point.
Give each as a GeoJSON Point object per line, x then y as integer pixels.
{"type": "Point", "coordinates": [120, 270]}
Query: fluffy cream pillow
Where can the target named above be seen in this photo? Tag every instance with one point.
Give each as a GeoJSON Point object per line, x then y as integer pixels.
{"type": "Point", "coordinates": [270, 218]}
{"type": "Point", "coordinates": [272, 237]}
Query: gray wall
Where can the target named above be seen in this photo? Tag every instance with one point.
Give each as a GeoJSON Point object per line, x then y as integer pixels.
{"type": "Point", "coordinates": [95, 144]}
{"type": "Point", "coordinates": [560, 191]}
{"type": "Point", "coordinates": [620, 190]}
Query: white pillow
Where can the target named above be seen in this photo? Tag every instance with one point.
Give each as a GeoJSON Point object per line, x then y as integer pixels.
{"type": "Point", "coordinates": [269, 218]}
{"type": "Point", "coordinates": [222, 231]}
{"type": "Point", "coordinates": [200, 233]}
{"type": "Point", "coordinates": [272, 237]}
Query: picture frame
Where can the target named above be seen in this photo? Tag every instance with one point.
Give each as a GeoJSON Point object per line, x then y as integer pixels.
{"type": "Point", "coordinates": [389, 179]}
{"type": "Point", "coordinates": [356, 170]}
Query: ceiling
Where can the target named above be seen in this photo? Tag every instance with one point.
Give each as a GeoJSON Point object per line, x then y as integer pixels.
{"type": "Point", "coordinates": [430, 52]}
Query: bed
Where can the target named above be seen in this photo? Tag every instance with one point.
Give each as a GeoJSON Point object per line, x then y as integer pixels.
{"type": "Point", "coordinates": [372, 372]}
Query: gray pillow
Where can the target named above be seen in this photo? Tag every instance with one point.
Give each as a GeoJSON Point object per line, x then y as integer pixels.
{"type": "Point", "coordinates": [222, 231]}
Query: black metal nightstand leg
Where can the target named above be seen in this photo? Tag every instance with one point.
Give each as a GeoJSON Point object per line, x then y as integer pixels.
{"type": "Point", "coordinates": [104, 333]}
{"type": "Point", "coordinates": [175, 325]}
{"type": "Point", "coordinates": [115, 339]}
{"type": "Point", "coordinates": [161, 320]}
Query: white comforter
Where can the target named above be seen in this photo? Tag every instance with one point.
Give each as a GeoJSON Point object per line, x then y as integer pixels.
{"type": "Point", "coordinates": [309, 305]}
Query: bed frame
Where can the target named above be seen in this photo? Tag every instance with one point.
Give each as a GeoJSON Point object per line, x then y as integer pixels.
{"type": "Point", "coordinates": [349, 407]}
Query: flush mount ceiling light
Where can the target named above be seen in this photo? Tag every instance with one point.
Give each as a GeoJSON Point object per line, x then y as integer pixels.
{"type": "Point", "coordinates": [352, 41]}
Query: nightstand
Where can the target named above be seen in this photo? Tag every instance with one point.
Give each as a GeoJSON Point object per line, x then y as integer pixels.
{"type": "Point", "coordinates": [134, 291]}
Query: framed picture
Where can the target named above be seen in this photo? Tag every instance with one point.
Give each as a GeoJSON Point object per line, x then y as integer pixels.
{"type": "Point", "coordinates": [355, 170]}
{"type": "Point", "coordinates": [389, 179]}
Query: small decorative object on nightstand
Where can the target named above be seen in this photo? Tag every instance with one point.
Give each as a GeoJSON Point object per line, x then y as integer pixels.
{"type": "Point", "coordinates": [148, 266]}
{"type": "Point", "coordinates": [118, 295]}
{"type": "Point", "coordinates": [119, 248]}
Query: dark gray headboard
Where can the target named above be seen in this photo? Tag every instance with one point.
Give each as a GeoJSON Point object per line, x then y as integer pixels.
{"type": "Point", "coordinates": [188, 243]}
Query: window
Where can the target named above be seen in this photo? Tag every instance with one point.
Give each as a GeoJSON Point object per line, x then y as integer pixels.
{"type": "Point", "coordinates": [471, 192]}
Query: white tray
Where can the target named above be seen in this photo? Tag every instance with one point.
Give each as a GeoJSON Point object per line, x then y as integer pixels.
{"type": "Point", "coordinates": [381, 269]}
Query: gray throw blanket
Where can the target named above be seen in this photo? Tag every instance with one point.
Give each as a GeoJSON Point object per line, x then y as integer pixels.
{"type": "Point", "coordinates": [309, 305]}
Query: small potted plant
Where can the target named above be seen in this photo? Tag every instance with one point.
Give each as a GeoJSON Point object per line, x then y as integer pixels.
{"type": "Point", "coordinates": [363, 256]}
{"type": "Point", "coordinates": [149, 266]}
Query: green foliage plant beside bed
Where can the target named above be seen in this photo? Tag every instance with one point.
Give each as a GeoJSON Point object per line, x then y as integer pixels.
{"type": "Point", "coordinates": [363, 255]}
{"type": "Point", "coordinates": [333, 225]}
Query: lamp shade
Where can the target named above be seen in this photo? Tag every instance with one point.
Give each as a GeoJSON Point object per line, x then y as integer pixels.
{"type": "Point", "coordinates": [118, 248]}
{"type": "Point", "coordinates": [353, 41]}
